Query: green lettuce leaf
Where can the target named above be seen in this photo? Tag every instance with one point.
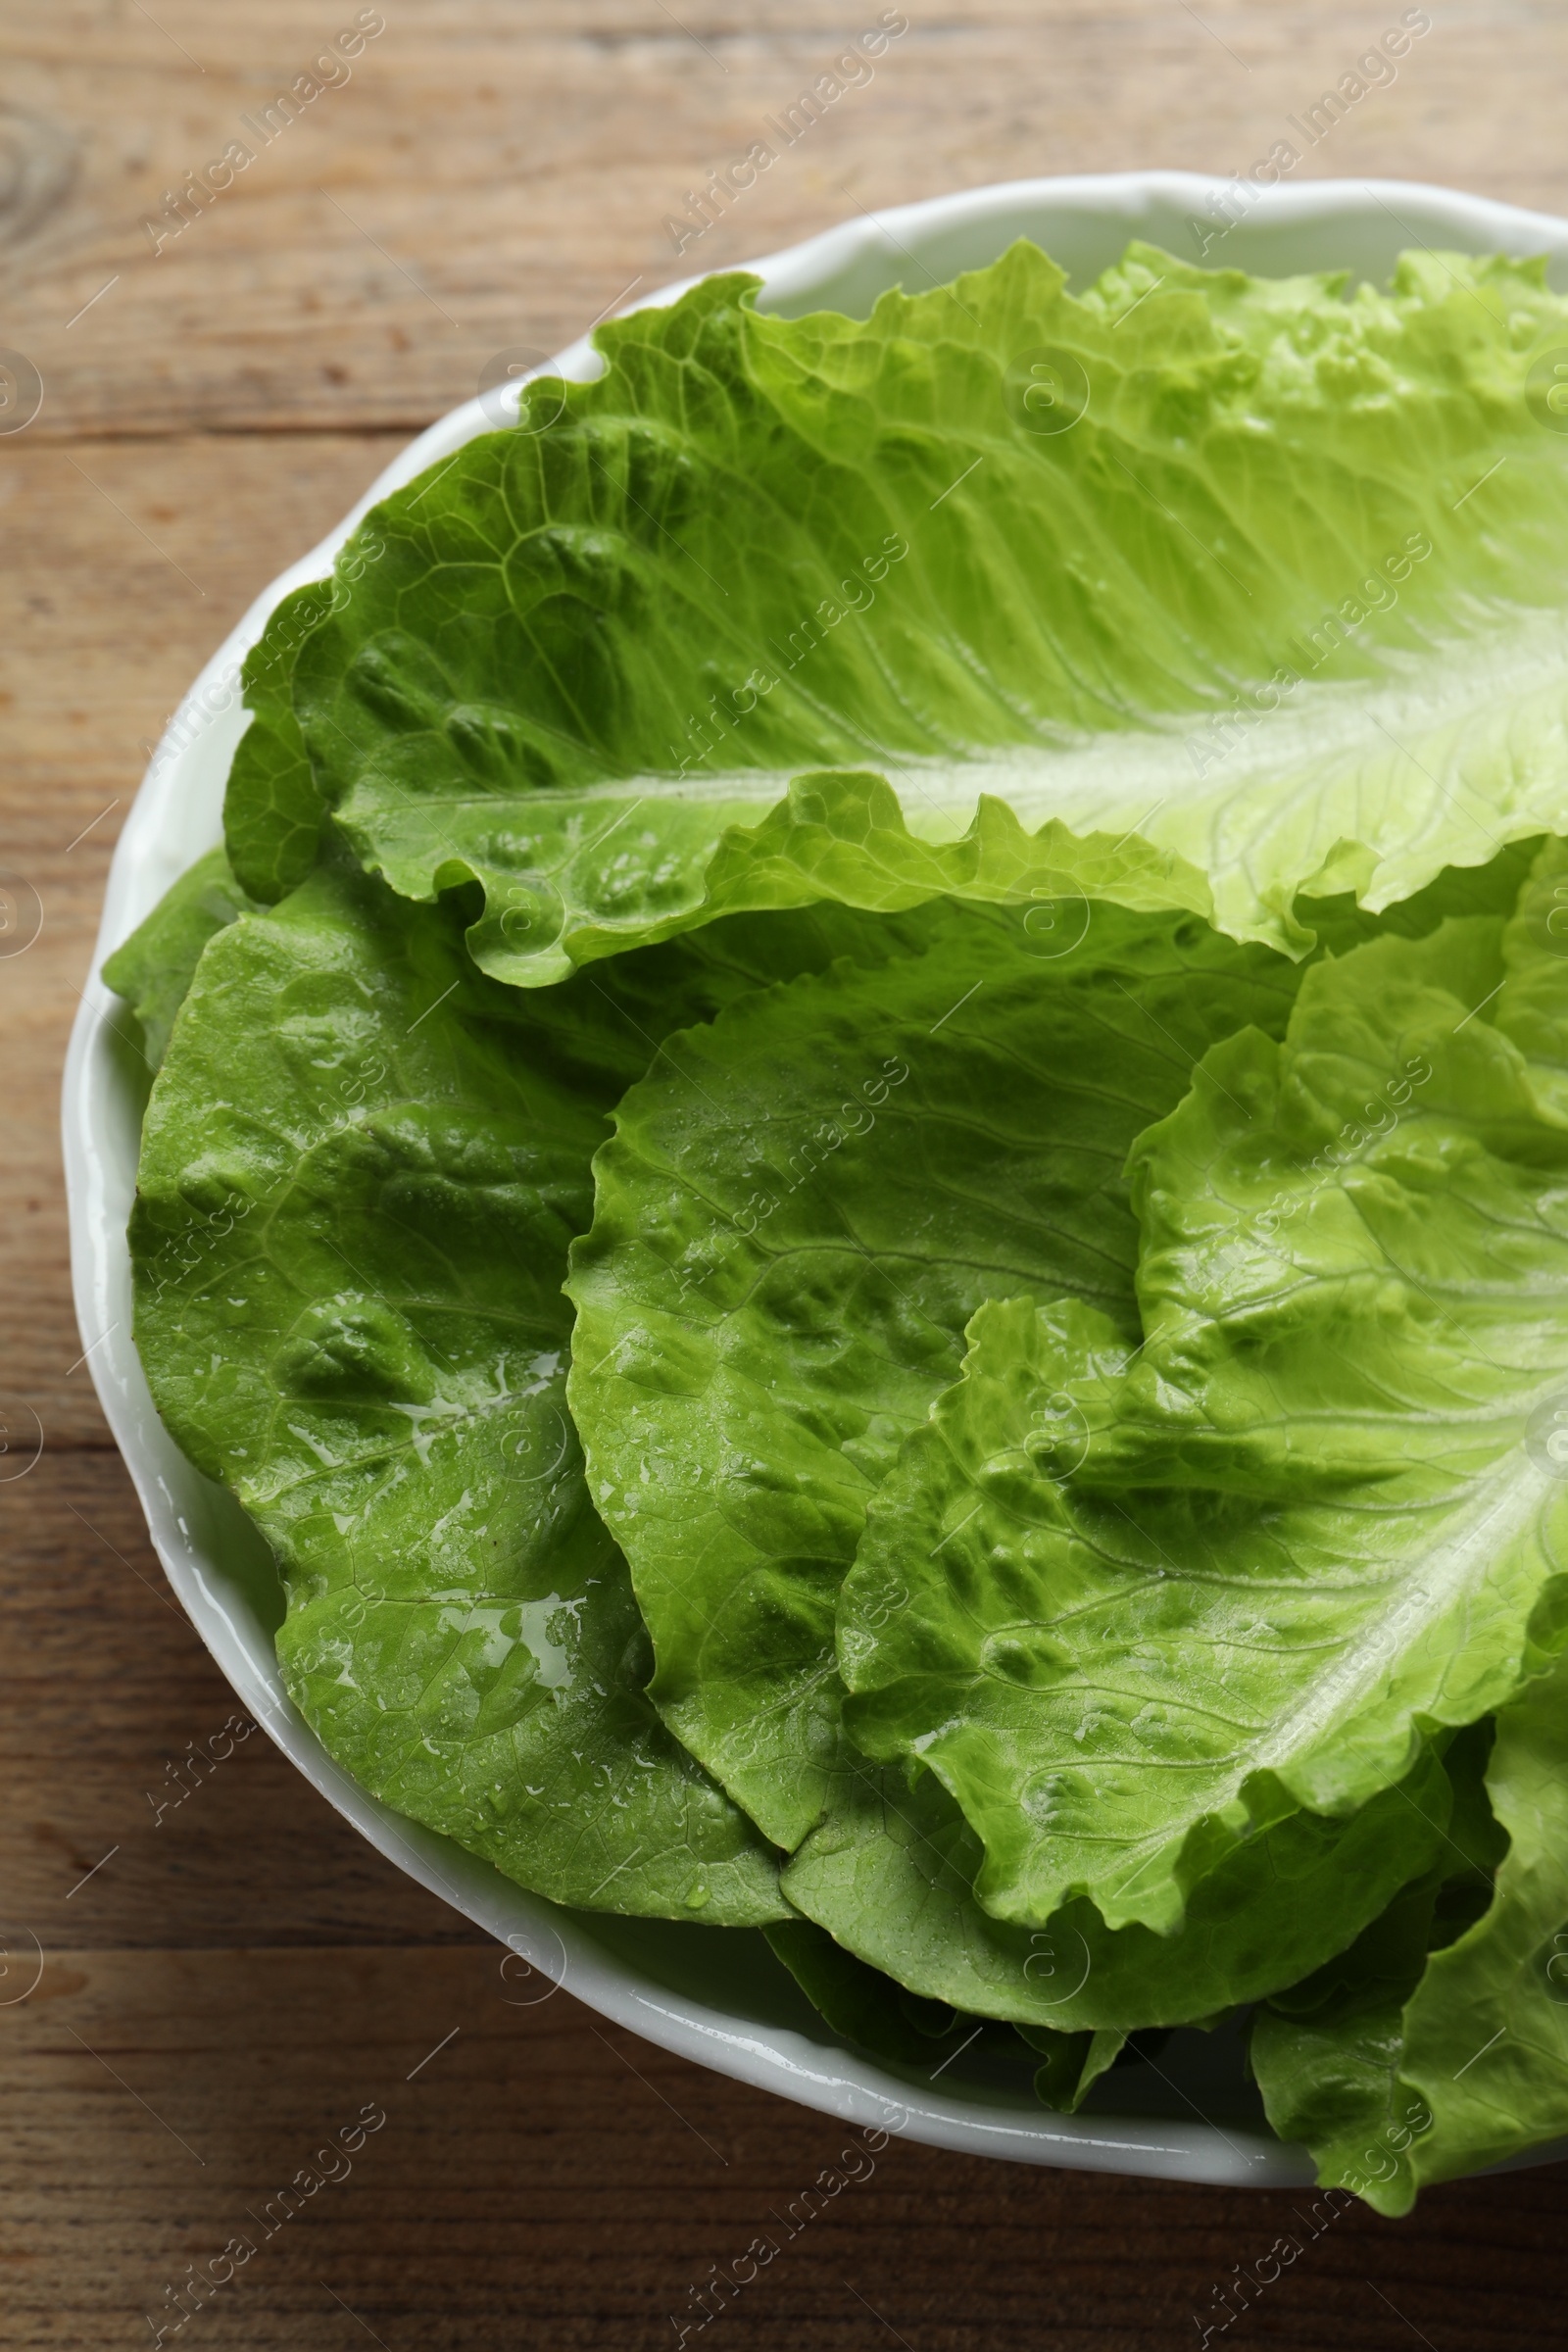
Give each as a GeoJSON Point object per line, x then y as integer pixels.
{"type": "Point", "coordinates": [1073, 2064]}
{"type": "Point", "coordinates": [1326, 2051]}
{"type": "Point", "coordinates": [1486, 2033]}
{"type": "Point", "coordinates": [1329, 2073]}
{"type": "Point", "coordinates": [801, 1207]}
{"type": "Point", "coordinates": [790, 1228]}
{"type": "Point", "coordinates": [154, 967]}
{"type": "Point", "coordinates": [272, 806]}
{"type": "Point", "coordinates": [891, 1876]}
{"type": "Point", "coordinates": [362, 1165]}
{"type": "Point", "coordinates": [1439, 2044]}
{"type": "Point", "coordinates": [1269, 577]}
{"type": "Point", "coordinates": [1131, 1604]}
{"type": "Point", "coordinates": [923, 2038]}
{"type": "Point", "coordinates": [860, 2003]}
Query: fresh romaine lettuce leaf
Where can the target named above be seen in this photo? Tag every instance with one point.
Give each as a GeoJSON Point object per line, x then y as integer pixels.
{"type": "Point", "coordinates": [801, 1209]}
{"type": "Point", "coordinates": [862, 2005]}
{"type": "Point", "coordinates": [153, 968]}
{"type": "Point", "coordinates": [1132, 1604]}
{"type": "Point", "coordinates": [1486, 2033]}
{"type": "Point", "coordinates": [789, 1230]}
{"type": "Point", "coordinates": [1326, 2051]}
{"type": "Point", "coordinates": [273, 808]}
{"type": "Point", "coordinates": [889, 1873]}
{"type": "Point", "coordinates": [361, 1164]}
{"type": "Point", "coordinates": [1438, 2042]}
{"type": "Point", "coordinates": [1338, 924]}
{"type": "Point", "coordinates": [1071, 2063]}
{"type": "Point", "coordinates": [1272, 578]}
{"type": "Point", "coordinates": [1329, 2071]}
{"type": "Point", "coordinates": [923, 2038]}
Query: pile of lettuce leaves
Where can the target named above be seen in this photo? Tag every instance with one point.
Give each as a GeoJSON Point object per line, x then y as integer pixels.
{"type": "Point", "coordinates": [860, 1157]}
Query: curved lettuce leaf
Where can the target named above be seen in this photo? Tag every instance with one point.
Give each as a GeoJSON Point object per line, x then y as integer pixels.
{"type": "Point", "coordinates": [891, 1873]}
{"type": "Point", "coordinates": [1326, 2051]}
{"type": "Point", "coordinates": [862, 2005]}
{"type": "Point", "coordinates": [1285, 598]}
{"type": "Point", "coordinates": [923, 2038]}
{"type": "Point", "coordinates": [1328, 2066]}
{"type": "Point", "coordinates": [1130, 1605]}
{"type": "Point", "coordinates": [361, 1164]}
{"type": "Point", "coordinates": [1441, 2041]}
{"type": "Point", "coordinates": [1486, 2033]}
{"type": "Point", "coordinates": [154, 967]}
{"type": "Point", "coordinates": [1072, 2063]}
{"type": "Point", "coordinates": [272, 806]}
{"type": "Point", "coordinates": [801, 1207]}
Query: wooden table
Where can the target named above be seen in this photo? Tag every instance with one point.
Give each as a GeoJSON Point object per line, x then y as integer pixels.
{"type": "Point", "coordinates": [226, 1983]}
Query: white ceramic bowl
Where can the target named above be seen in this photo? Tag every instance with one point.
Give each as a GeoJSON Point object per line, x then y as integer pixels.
{"type": "Point", "coordinates": [720, 2000]}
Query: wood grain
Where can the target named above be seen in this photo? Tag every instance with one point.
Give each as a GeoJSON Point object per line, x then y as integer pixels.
{"type": "Point", "coordinates": [228, 1983]}
{"type": "Point", "coordinates": [545, 2181]}
{"type": "Point", "coordinates": [494, 174]}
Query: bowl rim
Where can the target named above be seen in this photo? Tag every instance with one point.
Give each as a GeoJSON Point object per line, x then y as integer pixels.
{"type": "Point", "coordinates": [176, 816]}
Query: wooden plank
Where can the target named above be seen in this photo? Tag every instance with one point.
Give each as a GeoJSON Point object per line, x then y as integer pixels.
{"type": "Point", "coordinates": [139, 1808]}
{"type": "Point", "coordinates": [532, 2177]}
{"type": "Point", "coordinates": [245, 1965]}
{"type": "Point", "coordinates": [491, 177]}
{"type": "Point", "coordinates": [127, 563]}
{"type": "Point", "coordinates": [542, 2179]}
